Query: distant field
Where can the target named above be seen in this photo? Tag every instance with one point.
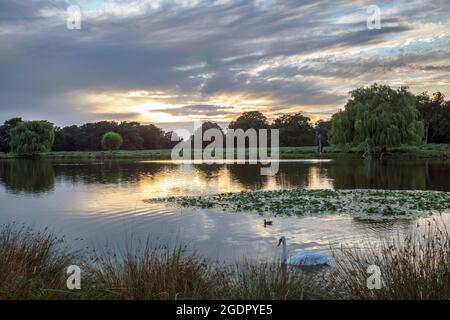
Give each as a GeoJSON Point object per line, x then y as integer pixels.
{"type": "Point", "coordinates": [403, 152]}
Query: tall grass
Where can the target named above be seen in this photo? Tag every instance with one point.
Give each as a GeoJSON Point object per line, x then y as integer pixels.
{"type": "Point", "coordinates": [33, 265]}
{"type": "Point", "coordinates": [151, 272]}
{"type": "Point", "coordinates": [158, 272]}
{"type": "Point", "coordinates": [269, 281]}
{"type": "Point", "coordinates": [413, 266]}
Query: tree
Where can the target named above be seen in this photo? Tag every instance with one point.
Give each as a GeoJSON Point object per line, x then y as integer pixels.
{"type": "Point", "coordinates": [32, 137]}
{"type": "Point", "coordinates": [442, 130]}
{"type": "Point", "coordinates": [249, 120]}
{"type": "Point", "coordinates": [378, 116]}
{"type": "Point", "coordinates": [295, 130]}
{"type": "Point", "coordinates": [5, 133]}
{"type": "Point", "coordinates": [434, 112]}
{"type": "Point", "coordinates": [111, 141]}
{"type": "Point", "coordinates": [68, 139]}
{"type": "Point", "coordinates": [201, 131]}
{"type": "Point", "coordinates": [131, 135]}
{"type": "Point", "coordinates": [252, 119]}
{"type": "Point", "coordinates": [89, 136]}
{"type": "Point", "coordinates": [154, 137]}
{"type": "Point", "coordinates": [430, 111]}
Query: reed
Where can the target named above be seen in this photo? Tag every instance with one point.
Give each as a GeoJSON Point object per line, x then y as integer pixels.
{"type": "Point", "coordinates": [32, 263]}
{"type": "Point", "coordinates": [413, 266]}
{"type": "Point", "coordinates": [149, 272]}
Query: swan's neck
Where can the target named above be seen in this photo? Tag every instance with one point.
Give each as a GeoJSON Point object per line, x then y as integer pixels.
{"type": "Point", "coordinates": [284, 254]}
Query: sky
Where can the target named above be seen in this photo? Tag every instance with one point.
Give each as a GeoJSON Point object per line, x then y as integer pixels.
{"type": "Point", "coordinates": [171, 62]}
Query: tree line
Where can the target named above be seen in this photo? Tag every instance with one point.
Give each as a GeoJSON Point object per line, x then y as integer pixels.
{"type": "Point", "coordinates": [88, 137]}
{"type": "Point", "coordinates": [295, 130]}
{"type": "Point", "coordinates": [377, 115]}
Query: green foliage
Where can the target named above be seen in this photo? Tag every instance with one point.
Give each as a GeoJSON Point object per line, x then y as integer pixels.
{"type": "Point", "coordinates": [5, 133]}
{"type": "Point", "coordinates": [111, 141]}
{"type": "Point", "coordinates": [378, 116]}
{"type": "Point", "coordinates": [295, 130]}
{"type": "Point", "coordinates": [435, 114]}
{"type": "Point", "coordinates": [32, 137]}
{"type": "Point", "coordinates": [88, 136]}
{"type": "Point", "coordinates": [298, 201]}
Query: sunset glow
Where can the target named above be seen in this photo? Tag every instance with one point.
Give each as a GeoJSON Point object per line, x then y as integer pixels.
{"type": "Point", "coordinates": [172, 61]}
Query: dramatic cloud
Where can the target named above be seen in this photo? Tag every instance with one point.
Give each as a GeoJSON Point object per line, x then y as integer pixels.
{"type": "Point", "coordinates": [174, 61]}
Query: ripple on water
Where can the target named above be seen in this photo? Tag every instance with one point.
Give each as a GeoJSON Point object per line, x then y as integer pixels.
{"type": "Point", "coordinates": [102, 202]}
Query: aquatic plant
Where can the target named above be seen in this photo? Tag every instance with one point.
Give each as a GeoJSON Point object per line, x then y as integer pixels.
{"type": "Point", "coordinates": [360, 203]}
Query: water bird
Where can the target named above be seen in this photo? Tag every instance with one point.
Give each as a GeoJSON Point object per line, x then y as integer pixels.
{"type": "Point", "coordinates": [267, 223]}
{"type": "Point", "coordinates": [304, 258]}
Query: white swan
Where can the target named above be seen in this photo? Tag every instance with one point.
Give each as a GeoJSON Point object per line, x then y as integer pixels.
{"type": "Point", "coordinates": [304, 258]}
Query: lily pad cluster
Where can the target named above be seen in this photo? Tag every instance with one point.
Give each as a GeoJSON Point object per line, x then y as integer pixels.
{"type": "Point", "coordinates": [362, 203]}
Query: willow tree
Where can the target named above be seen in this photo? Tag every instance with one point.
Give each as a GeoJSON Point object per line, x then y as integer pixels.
{"type": "Point", "coordinates": [111, 141]}
{"type": "Point", "coordinates": [32, 137]}
{"type": "Point", "coordinates": [378, 116]}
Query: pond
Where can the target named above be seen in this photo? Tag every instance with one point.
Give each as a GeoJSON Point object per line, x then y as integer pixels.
{"type": "Point", "coordinates": [92, 203]}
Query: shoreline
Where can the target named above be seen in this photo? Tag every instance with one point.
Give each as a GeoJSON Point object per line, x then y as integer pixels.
{"type": "Point", "coordinates": [441, 152]}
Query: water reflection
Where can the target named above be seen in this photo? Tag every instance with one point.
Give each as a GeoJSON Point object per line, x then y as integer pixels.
{"type": "Point", "coordinates": [105, 201]}
{"type": "Point", "coordinates": [29, 177]}
{"type": "Point", "coordinates": [248, 176]}
{"type": "Point", "coordinates": [109, 172]}
{"type": "Point", "coordinates": [38, 176]}
{"type": "Point", "coordinates": [390, 174]}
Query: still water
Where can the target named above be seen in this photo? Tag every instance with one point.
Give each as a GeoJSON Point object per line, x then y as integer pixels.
{"type": "Point", "coordinates": [92, 203]}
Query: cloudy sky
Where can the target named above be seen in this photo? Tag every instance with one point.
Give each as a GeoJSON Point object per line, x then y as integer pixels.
{"type": "Point", "coordinates": [175, 61]}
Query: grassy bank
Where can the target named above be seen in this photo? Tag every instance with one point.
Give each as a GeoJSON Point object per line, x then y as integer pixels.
{"type": "Point", "coordinates": [434, 151]}
{"type": "Point", "coordinates": [370, 204]}
{"type": "Point", "coordinates": [33, 266]}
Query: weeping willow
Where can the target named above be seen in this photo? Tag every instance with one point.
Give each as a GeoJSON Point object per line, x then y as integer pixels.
{"type": "Point", "coordinates": [32, 137]}
{"type": "Point", "coordinates": [378, 116]}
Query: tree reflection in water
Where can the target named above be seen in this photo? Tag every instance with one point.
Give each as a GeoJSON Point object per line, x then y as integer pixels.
{"type": "Point", "coordinates": [30, 176]}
